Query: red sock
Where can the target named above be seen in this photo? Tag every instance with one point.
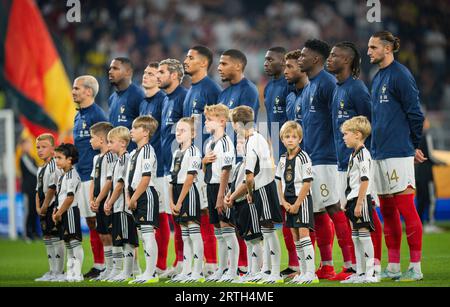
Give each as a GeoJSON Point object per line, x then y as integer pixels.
{"type": "Point", "coordinates": [177, 241]}
{"type": "Point", "coordinates": [344, 236]}
{"type": "Point", "coordinates": [242, 252]}
{"type": "Point", "coordinates": [289, 242]}
{"type": "Point", "coordinates": [392, 228]}
{"type": "Point", "coordinates": [209, 239]}
{"type": "Point", "coordinates": [97, 247]}
{"type": "Point", "coordinates": [406, 207]}
{"type": "Point", "coordinates": [376, 235]}
{"type": "Point", "coordinates": [162, 235]}
{"type": "Point", "coordinates": [324, 235]}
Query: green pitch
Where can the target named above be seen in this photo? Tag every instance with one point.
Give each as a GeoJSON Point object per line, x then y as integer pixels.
{"type": "Point", "coordinates": [21, 263]}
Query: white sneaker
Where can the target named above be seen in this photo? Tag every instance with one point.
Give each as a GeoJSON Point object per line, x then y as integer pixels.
{"type": "Point", "coordinates": [229, 278]}
{"type": "Point", "coordinates": [46, 277]}
{"type": "Point", "coordinates": [258, 277]}
{"type": "Point", "coordinates": [178, 278]}
{"type": "Point", "coordinates": [59, 278]}
{"type": "Point", "coordinates": [195, 277]}
{"type": "Point", "coordinates": [122, 277]}
{"type": "Point", "coordinates": [102, 276]}
{"type": "Point", "coordinates": [168, 273]}
{"type": "Point", "coordinates": [112, 274]}
{"type": "Point", "coordinates": [296, 279]}
{"type": "Point", "coordinates": [370, 279]}
{"type": "Point", "coordinates": [137, 271]}
{"type": "Point", "coordinates": [215, 277]}
{"type": "Point", "coordinates": [308, 278]}
{"type": "Point", "coordinates": [354, 279]}
{"type": "Point", "coordinates": [272, 279]}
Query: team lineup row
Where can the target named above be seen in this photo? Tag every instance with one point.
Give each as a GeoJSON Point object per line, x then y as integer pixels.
{"type": "Point", "coordinates": [312, 186]}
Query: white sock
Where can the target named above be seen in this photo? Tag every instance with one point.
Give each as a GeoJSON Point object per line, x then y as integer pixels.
{"type": "Point", "coordinates": [70, 256]}
{"type": "Point", "coordinates": [308, 254]}
{"type": "Point", "coordinates": [128, 260]}
{"type": "Point", "coordinates": [257, 255]}
{"type": "Point", "coordinates": [359, 260]}
{"type": "Point", "coordinates": [393, 267]}
{"type": "Point", "coordinates": [222, 249]}
{"type": "Point", "coordinates": [197, 247]}
{"type": "Point", "coordinates": [266, 256]}
{"type": "Point", "coordinates": [58, 245]}
{"type": "Point", "coordinates": [78, 254]}
{"type": "Point", "coordinates": [229, 234]}
{"type": "Point", "coordinates": [416, 266]}
{"type": "Point", "coordinates": [187, 250]}
{"type": "Point", "coordinates": [118, 255]}
{"type": "Point", "coordinates": [300, 257]}
{"type": "Point", "coordinates": [150, 249]}
{"type": "Point", "coordinates": [136, 265]}
{"type": "Point", "coordinates": [107, 251]}
{"type": "Point", "coordinates": [270, 235]}
{"type": "Point", "coordinates": [368, 254]}
{"type": "Point", "coordinates": [50, 254]}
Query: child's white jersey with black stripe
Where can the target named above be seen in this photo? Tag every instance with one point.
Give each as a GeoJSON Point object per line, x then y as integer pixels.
{"type": "Point", "coordinates": [359, 169]}
{"type": "Point", "coordinates": [258, 160]}
{"type": "Point", "coordinates": [142, 163]}
{"type": "Point", "coordinates": [47, 178]}
{"type": "Point", "coordinates": [119, 174]}
{"type": "Point", "coordinates": [225, 156]}
{"type": "Point", "coordinates": [102, 170]}
{"type": "Point", "coordinates": [68, 185]}
{"type": "Point", "coordinates": [185, 162]}
{"type": "Point", "coordinates": [294, 172]}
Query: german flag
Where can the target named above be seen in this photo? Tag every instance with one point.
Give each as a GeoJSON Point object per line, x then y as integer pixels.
{"type": "Point", "coordinates": [31, 69]}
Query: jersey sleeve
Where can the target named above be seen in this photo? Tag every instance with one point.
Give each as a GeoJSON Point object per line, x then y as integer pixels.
{"type": "Point", "coordinates": [37, 176]}
{"type": "Point", "coordinates": [148, 162]}
{"type": "Point", "coordinates": [228, 156]}
{"type": "Point", "coordinates": [363, 166]}
{"type": "Point", "coordinates": [251, 157]}
{"type": "Point", "coordinates": [280, 168]}
{"type": "Point", "coordinates": [111, 160]}
{"type": "Point", "coordinates": [72, 183]}
{"type": "Point", "coordinates": [194, 162]}
{"type": "Point", "coordinates": [53, 178]}
{"type": "Point", "coordinates": [306, 168]}
{"type": "Point", "coordinates": [94, 162]}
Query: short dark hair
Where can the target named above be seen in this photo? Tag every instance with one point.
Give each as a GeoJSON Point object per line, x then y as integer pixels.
{"type": "Point", "coordinates": [153, 64]}
{"type": "Point", "coordinates": [236, 55]}
{"type": "Point", "coordinates": [278, 49]}
{"type": "Point", "coordinates": [69, 151]}
{"type": "Point", "coordinates": [319, 46]}
{"type": "Point", "coordinates": [206, 52]}
{"type": "Point", "coordinates": [125, 61]}
{"type": "Point", "coordinates": [356, 61]}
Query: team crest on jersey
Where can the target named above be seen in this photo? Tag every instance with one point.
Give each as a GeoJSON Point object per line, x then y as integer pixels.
{"type": "Point", "coordinates": [311, 98]}
{"type": "Point", "coordinates": [309, 171]}
{"type": "Point", "coordinates": [277, 100]}
{"type": "Point", "coordinates": [122, 109]}
{"type": "Point", "coordinates": [83, 125]}
{"type": "Point", "coordinates": [383, 89]}
{"type": "Point", "coordinates": [383, 96]}
{"type": "Point", "coordinates": [194, 103]}
{"type": "Point", "coordinates": [230, 104]}
{"type": "Point", "coordinates": [147, 167]}
{"type": "Point", "coordinates": [341, 103]}
{"type": "Point", "coordinates": [288, 176]}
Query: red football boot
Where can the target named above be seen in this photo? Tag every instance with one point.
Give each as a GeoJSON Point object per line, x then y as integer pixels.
{"type": "Point", "coordinates": [325, 272]}
{"type": "Point", "coordinates": [344, 274]}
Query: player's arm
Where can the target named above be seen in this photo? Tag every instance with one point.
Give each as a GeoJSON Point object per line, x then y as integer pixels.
{"type": "Point", "coordinates": [284, 203]}
{"type": "Point", "coordinates": [116, 192]}
{"type": "Point", "coordinates": [140, 189]}
{"type": "Point", "coordinates": [64, 207]}
{"type": "Point", "coordinates": [250, 185]}
{"type": "Point", "coordinates": [185, 190]}
{"type": "Point", "coordinates": [224, 178]}
{"type": "Point", "coordinates": [364, 167]}
{"type": "Point", "coordinates": [240, 191]}
{"type": "Point", "coordinates": [171, 203]}
{"type": "Point", "coordinates": [51, 192]}
{"type": "Point", "coordinates": [91, 196]}
{"type": "Point", "coordinates": [104, 192]}
{"type": "Point", "coordinates": [306, 187]}
{"type": "Point", "coordinates": [37, 203]}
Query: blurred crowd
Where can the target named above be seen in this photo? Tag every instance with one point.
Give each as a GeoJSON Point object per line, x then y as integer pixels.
{"type": "Point", "coordinates": [149, 30]}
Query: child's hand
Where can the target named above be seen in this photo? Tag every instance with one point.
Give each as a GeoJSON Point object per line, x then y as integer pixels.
{"type": "Point", "coordinates": [39, 212]}
{"type": "Point", "coordinates": [132, 205]}
{"type": "Point", "coordinates": [286, 205]}
{"type": "Point", "coordinates": [228, 201]}
{"type": "Point", "coordinates": [210, 157]}
{"type": "Point", "coordinates": [56, 216]}
{"type": "Point", "coordinates": [107, 208]}
{"type": "Point", "coordinates": [294, 209]}
{"type": "Point", "coordinates": [219, 204]}
{"type": "Point", "coordinates": [177, 208]}
{"type": "Point", "coordinates": [358, 210]}
{"type": "Point", "coordinates": [92, 206]}
{"type": "Point", "coordinates": [249, 199]}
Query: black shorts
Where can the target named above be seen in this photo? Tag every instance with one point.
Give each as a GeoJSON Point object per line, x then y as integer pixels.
{"type": "Point", "coordinates": [190, 209]}
{"type": "Point", "coordinates": [247, 221]}
{"type": "Point", "coordinates": [49, 227]}
{"type": "Point", "coordinates": [267, 203]}
{"type": "Point", "coordinates": [124, 229]}
{"type": "Point", "coordinates": [227, 215]}
{"type": "Point", "coordinates": [147, 209]}
{"type": "Point", "coordinates": [70, 228]}
{"type": "Point", "coordinates": [304, 218]}
{"type": "Point", "coordinates": [104, 225]}
{"type": "Point", "coordinates": [366, 220]}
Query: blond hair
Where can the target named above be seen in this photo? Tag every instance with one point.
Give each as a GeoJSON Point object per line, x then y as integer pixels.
{"type": "Point", "coordinates": [358, 124]}
{"type": "Point", "coordinates": [219, 110]}
{"type": "Point", "coordinates": [101, 129]}
{"type": "Point", "coordinates": [46, 137]}
{"type": "Point", "coordinates": [242, 114]}
{"type": "Point", "coordinates": [122, 133]}
{"type": "Point", "coordinates": [291, 126]}
{"type": "Point", "coordinates": [146, 122]}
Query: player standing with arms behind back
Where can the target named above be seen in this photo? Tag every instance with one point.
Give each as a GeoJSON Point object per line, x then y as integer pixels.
{"type": "Point", "coordinates": [397, 123]}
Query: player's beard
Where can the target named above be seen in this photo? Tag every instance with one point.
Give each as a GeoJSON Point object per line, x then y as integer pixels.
{"type": "Point", "coordinates": [165, 85]}
{"type": "Point", "coordinates": [377, 61]}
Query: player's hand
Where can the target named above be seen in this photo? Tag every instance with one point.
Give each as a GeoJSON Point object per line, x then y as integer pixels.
{"type": "Point", "coordinates": [132, 205]}
{"type": "Point", "coordinates": [39, 211]}
{"type": "Point", "coordinates": [358, 210]}
{"type": "Point", "coordinates": [43, 211]}
{"type": "Point", "coordinates": [210, 157]}
{"type": "Point", "coordinates": [419, 156]}
{"type": "Point", "coordinates": [294, 209]}
{"type": "Point", "coordinates": [228, 201]}
{"type": "Point", "coordinates": [177, 209]}
{"type": "Point", "coordinates": [220, 204]}
{"type": "Point", "coordinates": [286, 205]}
{"type": "Point", "coordinates": [249, 199]}
{"type": "Point", "coordinates": [56, 216]}
{"type": "Point", "coordinates": [107, 208]}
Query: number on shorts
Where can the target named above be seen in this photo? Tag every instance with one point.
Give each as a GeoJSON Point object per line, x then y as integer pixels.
{"type": "Point", "coordinates": [393, 176]}
{"type": "Point", "coordinates": [323, 190]}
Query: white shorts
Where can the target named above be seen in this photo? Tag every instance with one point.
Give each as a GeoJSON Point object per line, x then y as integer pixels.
{"type": "Point", "coordinates": [201, 186]}
{"type": "Point", "coordinates": [342, 186]}
{"type": "Point", "coordinates": [162, 188]}
{"type": "Point", "coordinates": [393, 175]}
{"type": "Point", "coordinates": [83, 200]}
{"type": "Point", "coordinates": [325, 186]}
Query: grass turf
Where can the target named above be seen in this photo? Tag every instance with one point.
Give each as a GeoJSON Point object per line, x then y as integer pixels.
{"type": "Point", "coordinates": [21, 263]}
